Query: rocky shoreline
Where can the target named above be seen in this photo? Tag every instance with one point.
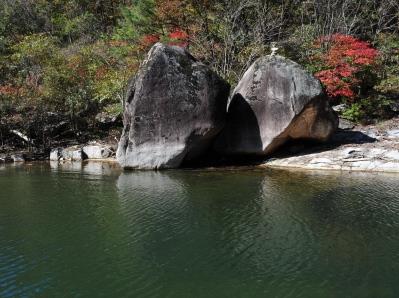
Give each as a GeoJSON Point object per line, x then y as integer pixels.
{"type": "Point", "coordinates": [365, 149]}
{"type": "Point", "coordinates": [94, 151]}
{"type": "Point", "coordinates": [362, 149]}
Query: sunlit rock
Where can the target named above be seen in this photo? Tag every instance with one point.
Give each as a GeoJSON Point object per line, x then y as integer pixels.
{"type": "Point", "coordinates": [275, 101]}
{"type": "Point", "coordinates": [174, 109]}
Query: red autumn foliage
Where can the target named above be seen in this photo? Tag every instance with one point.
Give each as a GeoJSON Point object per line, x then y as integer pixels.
{"type": "Point", "coordinates": [346, 57]}
{"type": "Point", "coordinates": [9, 90]}
{"type": "Point", "coordinates": [149, 40]}
{"type": "Point", "coordinates": [179, 38]}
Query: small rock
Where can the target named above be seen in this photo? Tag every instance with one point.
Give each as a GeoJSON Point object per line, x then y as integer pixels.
{"type": "Point", "coordinates": [393, 133]}
{"type": "Point", "coordinates": [340, 108]}
{"type": "Point", "coordinates": [55, 154]}
{"type": "Point", "coordinates": [394, 106]}
{"type": "Point", "coordinates": [108, 119]}
{"type": "Point", "coordinates": [345, 124]}
{"type": "Point", "coordinates": [73, 153]}
{"type": "Point", "coordinates": [18, 158]}
{"type": "Point", "coordinates": [98, 151]}
{"type": "Point", "coordinates": [371, 133]}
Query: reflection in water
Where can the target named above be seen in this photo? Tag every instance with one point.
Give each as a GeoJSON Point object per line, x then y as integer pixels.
{"type": "Point", "coordinates": [89, 230]}
{"type": "Point", "coordinates": [87, 167]}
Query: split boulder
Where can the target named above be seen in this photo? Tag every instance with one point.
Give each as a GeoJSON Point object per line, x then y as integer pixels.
{"type": "Point", "coordinates": [275, 101]}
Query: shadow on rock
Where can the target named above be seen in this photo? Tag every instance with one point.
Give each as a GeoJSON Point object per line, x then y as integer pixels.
{"type": "Point", "coordinates": [241, 131]}
{"type": "Point", "coordinates": [343, 137]}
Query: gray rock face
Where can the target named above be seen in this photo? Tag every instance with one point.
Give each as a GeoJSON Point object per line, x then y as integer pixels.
{"type": "Point", "coordinates": [97, 151]}
{"type": "Point", "coordinates": [275, 101]}
{"type": "Point", "coordinates": [55, 154]}
{"type": "Point", "coordinates": [345, 124]}
{"type": "Point", "coordinates": [73, 153]}
{"type": "Point", "coordinates": [174, 109]}
{"type": "Point", "coordinates": [18, 158]}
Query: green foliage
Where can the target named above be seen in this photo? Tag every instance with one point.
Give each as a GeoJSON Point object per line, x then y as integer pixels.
{"type": "Point", "coordinates": [74, 57]}
{"type": "Point", "coordinates": [73, 28]}
{"type": "Point", "coordinates": [34, 49]}
{"type": "Point", "coordinates": [388, 45]}
{"type": "Point", "coordinates": [136, 21]}
{"type": "Point", "coordinates": [372, 107]}
{"type": "Point", "coordinates": [354, 112]}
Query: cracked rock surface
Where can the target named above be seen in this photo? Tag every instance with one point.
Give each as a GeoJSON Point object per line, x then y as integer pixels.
{"type": "Point", "coordinates": [174, 109]}
{"type": "Point", "coordinates": [370, 150]}
{"type": "Point", "coordinates": [275, 101]}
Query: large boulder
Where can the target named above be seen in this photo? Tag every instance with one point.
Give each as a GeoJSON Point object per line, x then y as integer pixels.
{"type": "Point", "coordinates": [275, 101]}
{"type": "Point", "coordinates": [175, 107]}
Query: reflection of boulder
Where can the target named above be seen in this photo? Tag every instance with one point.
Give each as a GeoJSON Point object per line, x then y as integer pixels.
{"type": "Point", "coordinates": [99, 168]}
{"type": "Point", "coordinates": [275, 101]}
{"type": "Point", "coordinates": [175, 108]}
{"type": "Point", "coordinates": [151, 185]}
{"type": "Point", "coordinates": [69, 166]}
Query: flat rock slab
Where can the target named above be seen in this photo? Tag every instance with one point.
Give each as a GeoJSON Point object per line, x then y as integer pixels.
{"type": "Point", "coordinates": [380, 156]}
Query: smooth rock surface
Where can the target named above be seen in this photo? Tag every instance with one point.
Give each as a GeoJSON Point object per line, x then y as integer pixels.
{"type": "Point", "coordinates": [174, 109]}
{"type": "Point", "coordinates": [97, 151]}
{"type": "Point", "coordinates": [275, 101]}
{"type": "Point", "coordinates": [345, 124]}
{"type": "Point", "coordinates": [374, 155]}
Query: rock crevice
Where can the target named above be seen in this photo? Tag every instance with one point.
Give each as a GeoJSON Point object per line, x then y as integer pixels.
{"type": "Point", "coordinates": [275, 101]}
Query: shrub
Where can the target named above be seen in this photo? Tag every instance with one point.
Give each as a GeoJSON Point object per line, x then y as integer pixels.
{"type": "Point", "coordinates": [388, 45]}
{"type": "Point", "coordinates": [345, 65]}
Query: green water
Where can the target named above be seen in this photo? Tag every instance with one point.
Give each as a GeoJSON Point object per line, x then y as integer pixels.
{"type": "Point", "coordinates": [92, 231]}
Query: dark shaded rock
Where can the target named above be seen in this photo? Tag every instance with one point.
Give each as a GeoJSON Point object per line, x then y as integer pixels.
{"type": "Point", "coordinates": [108, 120]}
{"type": "Point", "coordinates": [394, 106]}
{"type": "Point", "coordinates": [175, 107]}
{"type": "Point", "coordinates": [275, 101]}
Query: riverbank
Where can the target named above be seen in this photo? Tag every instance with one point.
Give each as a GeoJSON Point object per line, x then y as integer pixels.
{"type": "Point", "coordinates": [373, 148]}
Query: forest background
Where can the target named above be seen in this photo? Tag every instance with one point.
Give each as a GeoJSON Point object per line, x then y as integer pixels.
{"type": "Point", "coordinates": [65, 64]}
